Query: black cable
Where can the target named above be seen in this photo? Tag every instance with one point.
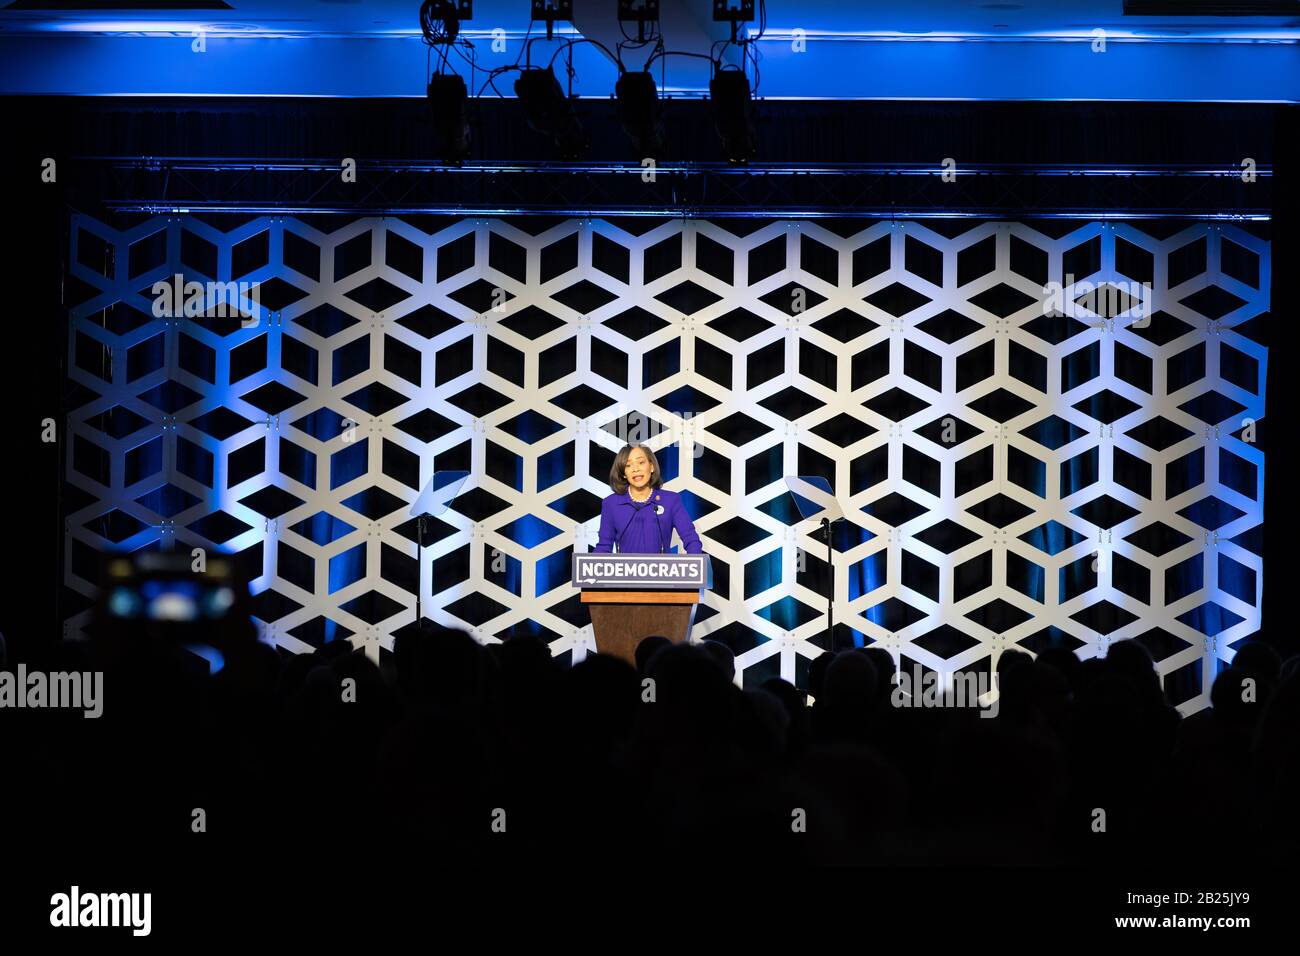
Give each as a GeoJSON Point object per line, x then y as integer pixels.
{"type": "Point", "coordinates": [439, 22]}
{"type": "Point", "coordinates": [749, 52]}
{"type": "Point", "coordinates": [568, 66]}
{"type": "Point", "coordinates": [633, 45]}
{"type": "Point", "coordinates": [527, 34]}
{"type": "Point", "coordinates": [651, 35]}
{"type": "Point", "coordinates": [440, 29]}
{"type": "Point", "coordinates": [498, 70]}
{"type": "Point", "coordinates": [667, 53]}
{"type": "Point", "coordinates": [762, 29]}
{"type": "Point", "coordinates": [528, 48]}
{"type": "Point", "coordinates": [661, 52]}
{"type": "Point", "coordinates": [472, 59]}
{"type": "Point", "coordinates": [618, 58]}
{"type": "Point", "coordinates": [491, 79]}
{"type": "Point", "coordinates": [572, 43]}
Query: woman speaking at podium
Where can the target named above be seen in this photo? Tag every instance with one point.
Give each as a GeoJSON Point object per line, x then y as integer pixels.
{"type": "Point", "coordinates": [639, 517]}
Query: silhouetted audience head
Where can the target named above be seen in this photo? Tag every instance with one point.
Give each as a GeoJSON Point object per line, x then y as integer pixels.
{"type": "Point", "coordinates": [1290, 667]}
{"type": "Point", "coordinates": [598, 699]}
{"type": "Point", "coordinates": [1134, 661]}
{"type": "Point", "coordinates": [1065, 662]}
{"type": "Point", "coordinates": [671, 752]}
{"type": "Point", "coordinates": [1238, 697]}
{"type": "Point", "coordinates": [849, 695]}
{"type": "Point", "coordinates": [770, 723]}
{"type": "Point", "coordinates": [792, 698]}
{"type": "Point", "coordinates": [646, 649]}
{"type": "Point", "coordinates": [692, 695]}
{"type": "Point", "coordinates": [850, 677]}
{"type": "Point", "coordinates": [524, 658]}
{"type": "Point", "coordinates": [1010, 659]}
{"type": "Point", "coordinates": [440, 665]}
{"type": "Point", "coordinates": [1259, 658]}
{"type": "Point", "coordinates": [817, 673]}
{"type": "Point", "coordinates": [1016, 675]}
{"type": "Point", "coordinates": [883, 662]}
{"type": "Point", "coordinates": [723, 655]}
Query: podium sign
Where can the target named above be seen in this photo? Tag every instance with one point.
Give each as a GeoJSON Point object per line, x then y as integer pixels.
{"type": "Point", "coordinates": [655, 572]}
{"type": "Point", "coordinates": [635, 596]}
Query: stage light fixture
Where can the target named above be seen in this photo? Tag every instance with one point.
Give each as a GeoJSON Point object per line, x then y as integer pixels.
{"type": "Point", "coordinates": [440, 20]}
{"type": "Point", "coordinates": [733, 114]}
{"type": "Point", "coordinates": [549, 112]}
{"type": "Point", "coordinates": [449, 115]}
{"type": "Point", "coordinates": [640, 12]}
{"type": "Point", "coordinates": [550, 11]}
{"type": "Point", "coordinates": [638, 111]}
{"type": "Point", "coordinates": [734, 12]}
{"type": "Point", "coordinates": [446, 94]}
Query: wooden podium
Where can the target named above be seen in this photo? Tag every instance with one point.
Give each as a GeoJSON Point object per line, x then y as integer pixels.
{"type": "Point", "coordinates": [635, 596]}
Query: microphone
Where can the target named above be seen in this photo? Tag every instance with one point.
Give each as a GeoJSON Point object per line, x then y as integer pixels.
{"type": "Point", "coordinates": [627, 525]}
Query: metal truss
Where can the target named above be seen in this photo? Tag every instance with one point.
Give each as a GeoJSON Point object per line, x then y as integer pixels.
{"type": "Point", "coordinates": [708, 190]}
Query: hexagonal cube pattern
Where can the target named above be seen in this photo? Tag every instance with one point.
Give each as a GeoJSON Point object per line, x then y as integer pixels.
{"type": "Point", "coordinates": [1032, 451]}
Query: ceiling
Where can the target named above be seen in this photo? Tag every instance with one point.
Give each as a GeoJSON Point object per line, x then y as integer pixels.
{"type": "Point", "coordinates": [386, 17]}
{"type": "Point", "coordinates": [977, 49]}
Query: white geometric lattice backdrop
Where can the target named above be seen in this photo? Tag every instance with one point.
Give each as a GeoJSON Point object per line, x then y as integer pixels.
{"type": "Point", "coordinates": [1013, 479]}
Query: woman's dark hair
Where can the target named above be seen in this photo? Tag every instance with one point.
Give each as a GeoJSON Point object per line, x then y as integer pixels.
{"type": "Point", "coordinates": [618, 481]}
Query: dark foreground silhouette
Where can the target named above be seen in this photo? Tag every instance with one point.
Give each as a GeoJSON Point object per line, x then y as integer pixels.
{"type": "Point", "coordinates": [452, 749]}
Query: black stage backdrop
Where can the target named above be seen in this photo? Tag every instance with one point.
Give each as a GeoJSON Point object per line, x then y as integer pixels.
{"type": "Point", "coordinates": [45, 355]}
